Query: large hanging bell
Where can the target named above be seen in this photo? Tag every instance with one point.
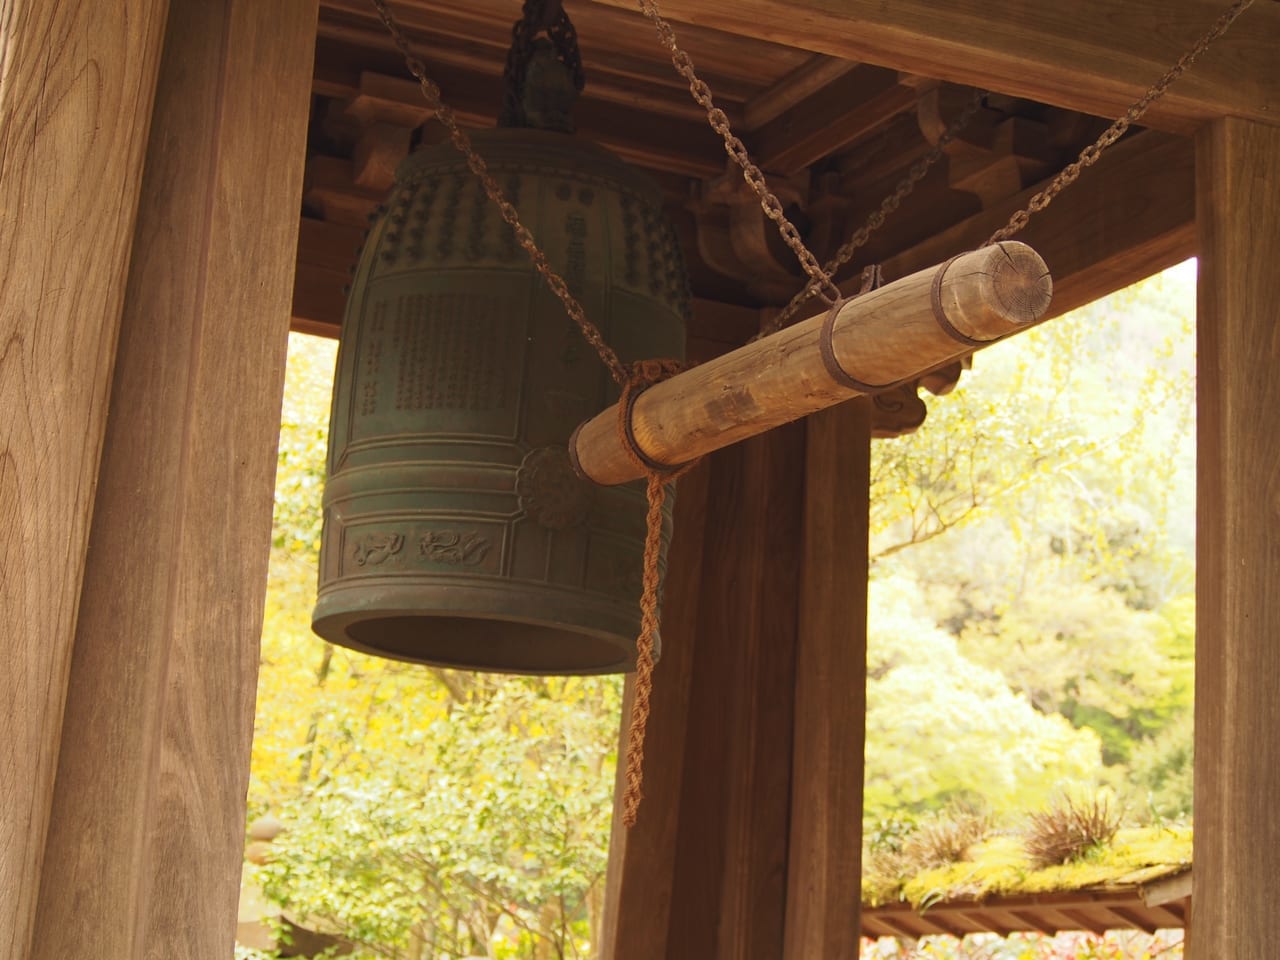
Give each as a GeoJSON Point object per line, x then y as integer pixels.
{"type": "Point", "coordinates": [456, 532]}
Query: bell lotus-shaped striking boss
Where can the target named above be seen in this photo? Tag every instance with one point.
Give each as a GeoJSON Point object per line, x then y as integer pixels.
{"type": "Point", "coordinates": [456, 532]}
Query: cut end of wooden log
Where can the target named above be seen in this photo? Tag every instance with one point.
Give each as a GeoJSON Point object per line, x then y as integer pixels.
{"type": "Point", "coordinates": [1012, 286]}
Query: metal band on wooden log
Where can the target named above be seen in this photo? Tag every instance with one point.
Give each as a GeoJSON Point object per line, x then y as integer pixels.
{"type": "Point", "coordinates": [896, 333]}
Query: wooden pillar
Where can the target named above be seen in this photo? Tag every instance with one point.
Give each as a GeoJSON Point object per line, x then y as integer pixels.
{"type": "Point", "coordinates": [824, 875]}
{"type": "Point", "coordinates": [638, 886]}
{"type": "Point", "coordinates": [1237, 758]}
{"type": "Point", "coordinates": [76, 88]}
{"type": "Point", "coordinates": [147, 827]}
{"type": "Point", "coordinates": [748, 841]}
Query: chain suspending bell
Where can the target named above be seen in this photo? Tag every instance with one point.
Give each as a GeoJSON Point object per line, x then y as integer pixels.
{"type": "Point", "coordinates": [456, 532]}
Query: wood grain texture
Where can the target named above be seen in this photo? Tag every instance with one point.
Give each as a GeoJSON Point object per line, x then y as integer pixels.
{"type": "Point", "coordinates": [828, 120]}
{"type": "Point", "coordinates": [1131, 215]}
{"type": "Point", "coordinates": [705, 877]}
{"type": "Point", "coordinates": [642, 860]}
{"type": "Point", "coordinates": [824, 876]}
{"type": "Point", "coordinates": [146, 834]}
{"type": "Point", "coordinates": [754, 683]}
{"type": "Point", "coordinates": [883, 338]}
{"type": "Point", "coordinates": [1237, 757]}
{"type": "Point", "coordinates": [76, 88]}
{"type": "Point", "coordinates": [1097, 56]}
{"type": "Point", "coordinates": [811, 76]}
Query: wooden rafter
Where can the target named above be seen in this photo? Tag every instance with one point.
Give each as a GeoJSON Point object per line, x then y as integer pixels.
{"type": "Point", "coordinates": [1097, 56]}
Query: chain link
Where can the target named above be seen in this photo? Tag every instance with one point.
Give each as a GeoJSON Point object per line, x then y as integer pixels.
{"type": "Point", "coordinates": [476, 163]}
{"type": "Point", "coordinates": [877, 218]}
{"type": "Point", "coordinates": [535, 17]}
{"type": "Point", "coordinates": [1089, 156]}
{"type": "Point", "coordinates": [737, 151]}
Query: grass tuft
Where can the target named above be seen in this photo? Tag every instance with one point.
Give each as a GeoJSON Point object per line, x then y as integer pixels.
{"type": "Point", "coordinates": [1070, 830]}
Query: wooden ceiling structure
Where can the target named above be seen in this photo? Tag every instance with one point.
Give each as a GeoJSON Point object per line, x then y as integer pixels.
{"type": "Point", "coordinates": [169, 167]}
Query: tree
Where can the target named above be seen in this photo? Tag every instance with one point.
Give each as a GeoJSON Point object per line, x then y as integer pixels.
{"type": "Point", "coordinates": [429, 811]}
{"type": "Point", "coordinates": [1044, 515]}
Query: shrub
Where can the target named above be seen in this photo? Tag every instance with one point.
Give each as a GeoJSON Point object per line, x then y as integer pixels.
{"type": "Point", "coordinates": [946, 837]}
{"type": "Point", "coordinates": [1070, 830]}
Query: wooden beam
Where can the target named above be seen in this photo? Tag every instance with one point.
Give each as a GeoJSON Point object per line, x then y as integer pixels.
{"type": "Point", "coordinates": [734, 65]}
{"type": "Point", "coordinates": [1237, 756]}
{"type": "Point", "coordinates": [147, 831]}
{"type": "Point", "coordinates": [1097, 56]}
{"type": "Point", "coordinates": [887, 336]}
{"type": "Point", "coordinates": [77, 82]}
{"type": "Point", "coordinates": [1131, 215]}
{"type": "Point", "coordinates": [746, 676]}
{"type": "Point", "coordinates": [811, 76]}
{"type": "Point", "coordinates": [824, 868]}
{"type": "Point", "coordinates": [642, 860]}
{"type": "Point", "coordinates": [1167, 889]}
{"type": "Point", "coordinates": [830, 119]}
{"type": "Point", "coordinates": [713, 883]}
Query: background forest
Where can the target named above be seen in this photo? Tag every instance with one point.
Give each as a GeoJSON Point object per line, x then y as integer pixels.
{"type": "Point", "coordinates": [1031, 632]}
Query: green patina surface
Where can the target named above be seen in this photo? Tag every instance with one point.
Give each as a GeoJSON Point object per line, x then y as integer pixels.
{"type": "Point", "coordinates": [999, 867]}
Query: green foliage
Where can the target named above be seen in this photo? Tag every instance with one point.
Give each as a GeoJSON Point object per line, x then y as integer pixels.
{"type": "Point", "coordinates": [1114, 945]}
{"type": "Point", "coordinates": [491, 820]}
{"type": "Point", "coordinates": [1001, 865]}
{"type": "Point", "coordinates": [1042, 522]}
{"type": "Point", "coordinates": [941, 728]}
{"type": "Point", "coordinates": [430, 813]}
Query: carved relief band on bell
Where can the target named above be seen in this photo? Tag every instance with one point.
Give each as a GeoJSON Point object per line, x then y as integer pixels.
{"type": "Point", "coordinates": [459, 549]}
{"type": "Point", "coordinates": [376, 548]}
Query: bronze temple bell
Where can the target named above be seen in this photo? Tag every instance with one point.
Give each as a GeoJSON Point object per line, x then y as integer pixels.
{"type": "Point", "coordinates": [456, 532]}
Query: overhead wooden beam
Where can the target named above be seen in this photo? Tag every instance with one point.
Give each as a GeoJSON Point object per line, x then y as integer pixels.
{"type": "Point", "coordinates": [1097, 56]}
{"type": "Point", "coordinates": [830, 119]}
{"type": "Point", "coordinates": [739, 67]}
{"type": "Point", "coordinates": [811, 76]}
{"type": "Point", "coordinates": [1131, 215]}
{"type": "Point", "coordinates": [1237, 714]}
{"type": "Point", "coordinates": [890, 335]}
{"type": "Point", "coordinates": [681, 143]}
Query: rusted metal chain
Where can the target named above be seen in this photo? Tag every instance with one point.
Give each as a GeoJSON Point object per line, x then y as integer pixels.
{"type": "Point", "coordinates": [824, 286]}
{"type": "Point", "coordinates": [632, 380]}
{"type": "Point", "coordinates": [446, 116]}
{"type": "Point", "coordinates": [877, 218]}
{"type": "Point", "coordinates": [1089, 156]}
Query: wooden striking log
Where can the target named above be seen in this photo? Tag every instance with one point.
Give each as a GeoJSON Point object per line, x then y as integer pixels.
{"type": "Point", "coordinates": [880, 339]}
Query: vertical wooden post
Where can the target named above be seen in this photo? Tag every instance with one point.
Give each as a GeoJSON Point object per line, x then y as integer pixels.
{"type": "Point", "coordinates": [748, 677]}
{"type": "Point", "coordinates": [1237, 757]}
{"type": "Point", "coordinates": [76, 88]}
{"type": "Point", "coordinates": [824, 877]}
{"type": "Point", "coordinates": [146, 834]}
{"type": "Point", "coordinates": [638, 886]}
{"type": "Point", "coordinates": [703, 873]}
